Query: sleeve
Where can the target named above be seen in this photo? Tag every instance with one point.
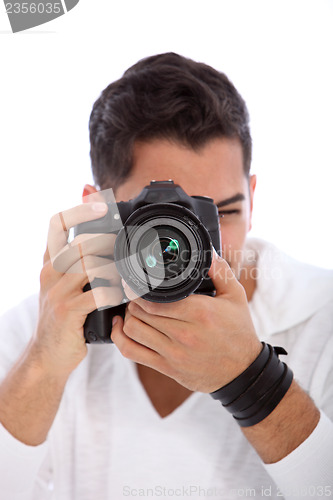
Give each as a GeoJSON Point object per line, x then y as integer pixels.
{"type": "Point", "coordinates": [19, 467]}
{"type": "Point", "coordinates": [24, 470]}
{"type": "Point", "coordinates": [307, 472]}
{"type": "Point", "coordinates": [297, 476]}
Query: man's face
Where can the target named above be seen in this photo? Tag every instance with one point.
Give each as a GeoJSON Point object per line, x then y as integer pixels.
{"type": "Point", "coordinates": [216, 171]}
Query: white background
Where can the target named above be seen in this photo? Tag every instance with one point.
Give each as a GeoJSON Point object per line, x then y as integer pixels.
{"type": "Point", "coordinates": [277, 53]}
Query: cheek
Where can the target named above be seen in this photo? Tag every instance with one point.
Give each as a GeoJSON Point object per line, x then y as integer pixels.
{"type": "Point", "coordinates": [233, 237]}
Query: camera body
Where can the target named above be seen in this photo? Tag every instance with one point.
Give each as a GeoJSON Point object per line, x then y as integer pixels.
{"type": "Point", "coordinates": [163, 249]}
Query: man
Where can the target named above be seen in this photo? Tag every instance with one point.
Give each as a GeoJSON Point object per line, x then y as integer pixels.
{"type": "Point", "coordinates": [135, 419]}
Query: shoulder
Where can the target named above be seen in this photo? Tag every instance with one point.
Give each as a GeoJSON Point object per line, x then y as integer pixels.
{"type": "Point", "coordinates": [293, 307]}
{"type": "Point", "coordinates": [288, 292]}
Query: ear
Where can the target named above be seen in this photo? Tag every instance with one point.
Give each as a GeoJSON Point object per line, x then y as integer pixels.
{"type": "Point", "coordinates": [88, 190]}
{"type": "Point", "coordinates": [252, 187]}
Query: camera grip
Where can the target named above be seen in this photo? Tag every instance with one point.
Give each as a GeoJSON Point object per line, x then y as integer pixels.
{"type": "Point", "coordinates": [98, 325]}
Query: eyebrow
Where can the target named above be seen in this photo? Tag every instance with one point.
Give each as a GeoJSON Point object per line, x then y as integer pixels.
{"type": "Point", "coordinates": [233, 199]}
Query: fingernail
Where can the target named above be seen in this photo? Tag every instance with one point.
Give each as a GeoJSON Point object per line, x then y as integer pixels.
{"type": "Point", "coordinates": [99, 207]}
{"type": "Point", "coordinates": [114, 321]}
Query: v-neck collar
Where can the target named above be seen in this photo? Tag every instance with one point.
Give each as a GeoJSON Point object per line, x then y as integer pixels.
{"type": "Point", "coordinates": [146, 404]}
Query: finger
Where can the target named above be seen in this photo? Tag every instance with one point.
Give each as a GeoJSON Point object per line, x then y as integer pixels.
{"type": "Point", "coordinates": [180, 310]}
{"type": "Point", "coordinates": [128, 291]}
{"type": "Point", "coordinates": [98, 298]}
{"type": "Point", "coordinates": [62, 285]}
{"type": "Point", "coordinates": [145, 334]}
{"type": "Point", "coordinates": [162, 324]}
{"type": "Point", "coordinates": [63, 221]}
{"type": "Point", "coordinates": [96, 267]}
{"type": "Point", "coordinates": [137, 352]}
{"type": "Point", "coordinates": [174, 331]}
{"type": "Point", "coordinates": [80, 273]}
{"type": "Point", "coordinates": [49, 277]}
{"type": "Point", "coordinates": [82, 246]}
{"type": "Point", "coordinates": [222, 276]}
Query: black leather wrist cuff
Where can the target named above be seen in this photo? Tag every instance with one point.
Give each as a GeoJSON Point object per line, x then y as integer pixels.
{"type": "Point", "coordinates": [254, 394]}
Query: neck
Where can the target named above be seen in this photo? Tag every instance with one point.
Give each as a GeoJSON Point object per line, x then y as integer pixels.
{"type": "Point", "coordinates": [164, 393]}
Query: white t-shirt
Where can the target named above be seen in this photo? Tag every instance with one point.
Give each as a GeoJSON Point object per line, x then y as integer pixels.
{"type": "Point", "coordinates": [109, 443]}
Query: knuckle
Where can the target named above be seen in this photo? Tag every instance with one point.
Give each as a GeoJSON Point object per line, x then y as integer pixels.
{"type": "Point", "coordinates": [79, 239]}
{"type": "Point", "coordinates": [45, 274]}
{"type": "Point", "coordinates": [126, 350]}
{"type": "Point", "coordinates": [202, 314]}
{"type": "Point", "coordinates": [179, 359]}
{"type": "Point", "coordinates": [54, 301]}
{"type": "Point", "coordinates": [130, 325]}
{"type": "Point", "coordinates": [54, 221]}
{"type": "Point", "coordinates": [150, 307]}
{"type": "Point", "coordinates": [107, 296]}
{"type": "Point", "coordinates": [187, 338]}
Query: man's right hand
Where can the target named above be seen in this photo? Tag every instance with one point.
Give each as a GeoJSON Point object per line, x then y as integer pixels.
{"type": "Point", "coordinates": [31, 392]}
{"type": "Point", "coordinates": [59, 343]}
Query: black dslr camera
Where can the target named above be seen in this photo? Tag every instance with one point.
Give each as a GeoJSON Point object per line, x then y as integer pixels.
{"type": "Point", "coordinates": [163, 248]}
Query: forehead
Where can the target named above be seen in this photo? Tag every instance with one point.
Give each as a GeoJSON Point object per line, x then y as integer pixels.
{"type": "Point", "coordinates": [215, 170]}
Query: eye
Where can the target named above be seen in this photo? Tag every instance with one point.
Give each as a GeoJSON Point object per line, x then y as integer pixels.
{"type": "Point", "coordinates": [229, 212]}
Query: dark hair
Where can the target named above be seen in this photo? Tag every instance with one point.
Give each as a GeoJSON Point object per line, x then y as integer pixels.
{"type": "Point", "coordinates": [166, 96]}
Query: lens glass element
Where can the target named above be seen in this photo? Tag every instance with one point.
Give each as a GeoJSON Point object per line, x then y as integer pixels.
{"type": "Point", "coordinates": [164, 249]}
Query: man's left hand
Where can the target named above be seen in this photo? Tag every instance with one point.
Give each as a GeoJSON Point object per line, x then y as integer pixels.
{"type": "Point", "coordinates": [201, 342]}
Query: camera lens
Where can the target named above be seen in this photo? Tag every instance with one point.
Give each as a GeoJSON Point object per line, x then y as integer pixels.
{"type": "Point", "coordinates": [164, 251]}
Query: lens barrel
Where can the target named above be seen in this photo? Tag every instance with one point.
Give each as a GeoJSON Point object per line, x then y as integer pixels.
{"type": "Point", "coordinates": [163, 252]}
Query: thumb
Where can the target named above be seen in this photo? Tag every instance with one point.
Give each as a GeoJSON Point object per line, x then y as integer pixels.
{"type": "Point", "coordinates": [222, 275]}
{"type": "Point", "coordinates": [117, 326]}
